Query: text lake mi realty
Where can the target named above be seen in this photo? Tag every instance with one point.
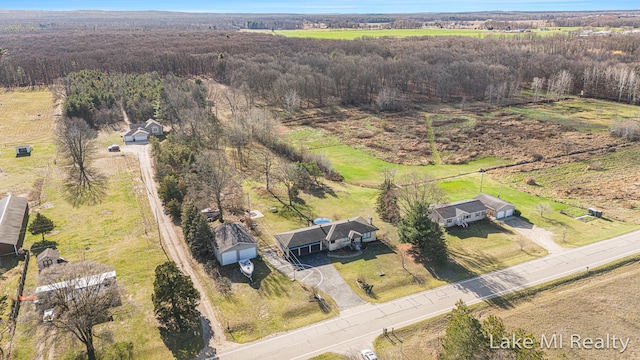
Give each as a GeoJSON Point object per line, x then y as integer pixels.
{"type": "Point", "coordinates": [557, 341]}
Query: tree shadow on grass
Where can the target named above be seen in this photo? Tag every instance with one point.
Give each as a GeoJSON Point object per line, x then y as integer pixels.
{"type": "Point", "coordinates": [321, 192]}
{"type": "Point", "coordinates": [40, 246]}
{"type": "Point", "coordinates": [480, 229]}
{"type": "Point", "coordinates": [183, 345]}
{"type": "Point", "coordinates": [488, 288]}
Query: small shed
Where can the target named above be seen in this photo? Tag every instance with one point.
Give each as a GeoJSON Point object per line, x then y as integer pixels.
{"type": "Point", "coordinates": [23, 150]}
{"type": "Point", "coordinates": [232, 243]}
{"type": "Point", "coordinates": [49, 257]}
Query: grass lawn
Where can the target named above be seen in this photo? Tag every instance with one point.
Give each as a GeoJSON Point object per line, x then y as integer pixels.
{"type": "Point", "coordinates": [27, 119]}
{"type": "Point", "coordinates": [577, 232]}
{"type": "Point", "coordinates": [272, 303]}
{"type": "Point", "coordinates": [368, 170]}
{"type": "Point", "coordinates": [549, 309]}
{"type": "Point", "coordinates": [119, 232]}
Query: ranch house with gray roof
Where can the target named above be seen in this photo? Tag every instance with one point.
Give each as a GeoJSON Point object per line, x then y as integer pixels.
{"type": "Point", "coordinates": [330, 236]}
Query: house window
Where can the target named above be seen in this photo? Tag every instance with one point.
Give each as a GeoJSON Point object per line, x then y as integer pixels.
{"type": "Point", "coordinates": [366, 235]}
{"type": "Point", "coordinates": [332, 241]}
{"type": "Point", "coordinates": [467, 216]}
{"type": "Point", "coordinates": [479, 214]}
{"type": "Point", "coordinates": [449, 221]}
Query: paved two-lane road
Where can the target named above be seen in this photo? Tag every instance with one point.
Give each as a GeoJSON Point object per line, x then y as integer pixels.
{"type": "Point", "coordinates": [356, 328]}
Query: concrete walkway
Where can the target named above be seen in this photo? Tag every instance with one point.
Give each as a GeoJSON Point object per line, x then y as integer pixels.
{"type": "Point", "coordinates": [357, 327]}
{"type": "Point", "coordinates": [534, 233]}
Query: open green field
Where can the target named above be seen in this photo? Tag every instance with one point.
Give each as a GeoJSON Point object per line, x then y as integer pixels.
{"type": "Point", "coordinates": [611, 187]}
{"type": "Point", "coordinates": [119, 232]}
{"type": "Point", "coordinates": [26, 118]}
{"type": "Point", "coordinates": [351, 34]}
{"type": "Point", "coordinates": [360, 168]}
{"type": "Point", "coordinates": [549, 309]}
{"type": "Point", "coordinates": [587, 115]}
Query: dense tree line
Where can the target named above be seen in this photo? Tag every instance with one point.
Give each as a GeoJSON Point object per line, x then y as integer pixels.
{"type": "Point", "coordinates": [291, 72]}
{"type": "Point", "coordinates": [21, 21]}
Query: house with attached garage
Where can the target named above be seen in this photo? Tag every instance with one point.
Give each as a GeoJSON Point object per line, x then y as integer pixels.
{"type": "Point", "coordinates": [498, 208]}
{"type": "Point", "coordinates": [459, 213]}
{"type": "Point", "coordinates": [232, 243]}
{"type": "Point", "coordinates": [141, 132]}
{"type": "Point", "coordinates": [463, 212]}
{"type": "Point", "coordinates": [328, 236]}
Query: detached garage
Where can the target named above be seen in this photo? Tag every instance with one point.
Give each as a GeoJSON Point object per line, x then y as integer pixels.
{"type": "Point", "coordinates": [500, 208]}
{"type": "Point", "coordinates": [233, 243]}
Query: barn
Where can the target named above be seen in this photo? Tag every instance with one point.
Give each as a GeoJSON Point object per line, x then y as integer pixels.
{"type": "Point", "coordinates": [232, 243]}
{"type": "Point", "coordinates": [14, 216]}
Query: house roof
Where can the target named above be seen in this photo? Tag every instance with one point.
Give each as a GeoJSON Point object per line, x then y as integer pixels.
{"type": "Point", "coordinates": [452, 210]}
{"type": "Point", "coordinates": [151, 122]}
{"type": "Point", "coordinates": [48, 253]}
{"type": "Point", "coordinates": [330, 231]}
{"type": "Point", "coordinates": [136, 131]}
{"type": "Point", "coordinates": [493, 202]}
{"type": "Point", "coordinates": [79, 283]}
{"type": "Point", "coordinates": [12, 210]}
{"type": "Point", "coordinates": [228, 235]}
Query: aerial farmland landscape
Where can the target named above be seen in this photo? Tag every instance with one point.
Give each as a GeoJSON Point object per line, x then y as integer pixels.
{"type": "Point", "coordinates": [340, 180]}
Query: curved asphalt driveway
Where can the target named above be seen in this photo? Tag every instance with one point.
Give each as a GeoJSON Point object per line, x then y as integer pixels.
{"type": "Point", "coordinates": [356, 328]}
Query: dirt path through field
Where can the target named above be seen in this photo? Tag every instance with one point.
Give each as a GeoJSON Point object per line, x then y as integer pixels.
{"type": "Point", "coordinates": [176, 249]}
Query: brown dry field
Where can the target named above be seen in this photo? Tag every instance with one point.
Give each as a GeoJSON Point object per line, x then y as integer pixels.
{"type": "Point", "coordinates": [606, 303]}
{"type": "Point", "coordinates": [459, 136]}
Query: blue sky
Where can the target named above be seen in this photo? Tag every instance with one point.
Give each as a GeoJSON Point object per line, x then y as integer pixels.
{"type": "Point", "coordinates": [321, 6]}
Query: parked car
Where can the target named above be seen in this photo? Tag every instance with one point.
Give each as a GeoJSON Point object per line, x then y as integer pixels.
{"type": "Point", "coordinates": [368, 355]}
{"type": "Point", "coordinates": [211, 214]}
{"type": "Point", "coordinates": [114, 147]}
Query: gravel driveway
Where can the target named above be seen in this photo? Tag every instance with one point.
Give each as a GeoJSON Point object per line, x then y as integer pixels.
{"type": "Point", "coordinates": [534, 233]}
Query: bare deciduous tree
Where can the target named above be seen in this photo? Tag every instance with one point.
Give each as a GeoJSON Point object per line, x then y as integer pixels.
{"type": "Point", "coordinates": [81, 295]}
{"type": "Point", "coordinates": [418, 188]}
{"type": "Point", "coordinates": [536, 86]}
{"type": "Point", "coordinates": [214, 175]}
{"type": "Point", "coordinates": [291, 101]}
{"type": "Point", "coordinates": [75, 138]}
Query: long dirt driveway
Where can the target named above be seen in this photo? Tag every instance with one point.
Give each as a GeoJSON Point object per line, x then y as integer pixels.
{"type": "Point", "coordinates": [176, 249]}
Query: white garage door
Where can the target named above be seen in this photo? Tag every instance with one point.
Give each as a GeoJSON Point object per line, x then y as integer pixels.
{"type": "Point", "coordinates": [500, 215]}
{"type": "Point", "coordinates": [229, 257]}
{"type": "Point", "coordinates": [141, 137]}
{"type": "Point", "coordinates": [249, 253]}
{"type": "Point", "coordinates": [509, 212]}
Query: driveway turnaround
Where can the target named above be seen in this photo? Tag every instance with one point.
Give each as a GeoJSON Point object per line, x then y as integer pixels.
{"type": "Point", "coordinates": [357, 327]}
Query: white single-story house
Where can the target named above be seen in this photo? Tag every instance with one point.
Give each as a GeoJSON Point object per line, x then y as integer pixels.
{"type": "Point", "coordinates": [499, 208]}
{"type": "Point", "coordinates": [329, 236]}
{"type": "Point", "coordinates": [232, 243]}
{"type": "Point", "coordinates": [459, 213]}
{"type": "Point", "coordinates": [141, 132]}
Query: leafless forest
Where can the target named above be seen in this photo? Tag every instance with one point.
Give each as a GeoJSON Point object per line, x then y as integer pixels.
{"type": "Point", "coordinates": [39, 48]}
